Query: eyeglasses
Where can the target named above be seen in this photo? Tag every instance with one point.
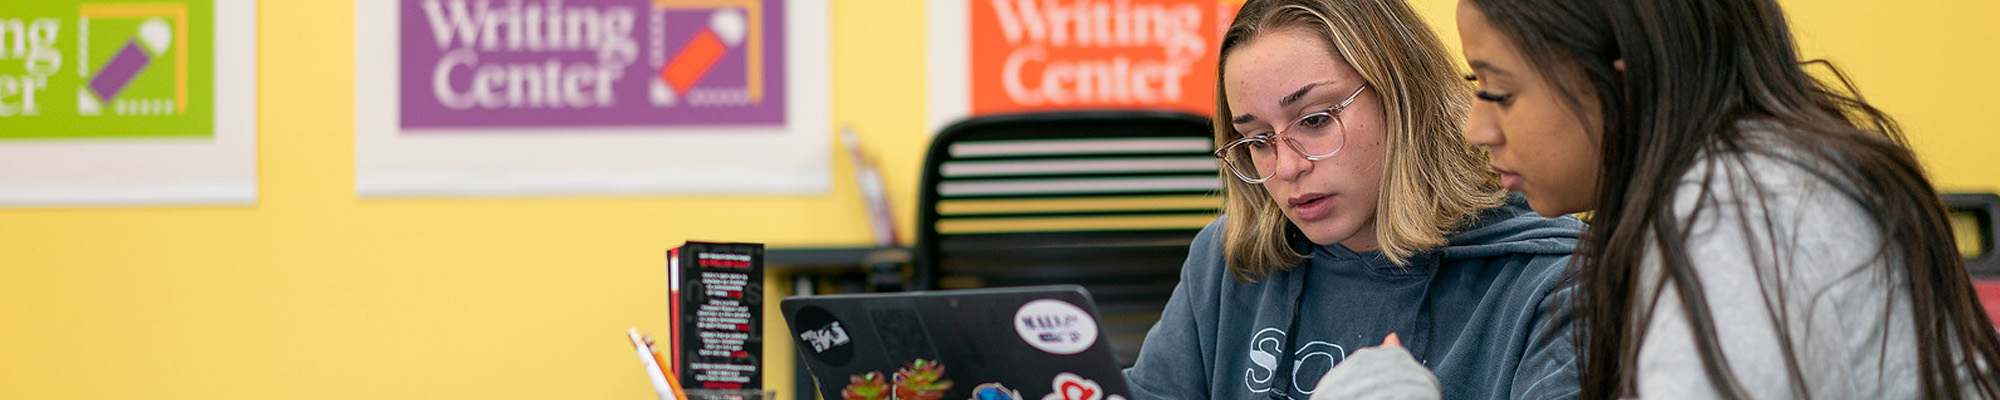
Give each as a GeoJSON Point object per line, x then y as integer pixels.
{"type": "Point", "coordinates": [1315, 136]}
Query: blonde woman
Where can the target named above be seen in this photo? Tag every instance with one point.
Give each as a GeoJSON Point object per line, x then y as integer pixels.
{"type": "Point", "coordinates": [1355, 210]}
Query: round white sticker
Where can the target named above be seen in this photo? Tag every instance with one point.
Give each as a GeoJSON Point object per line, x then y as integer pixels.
{"type": "Point", "coordinates": [1055, 326]}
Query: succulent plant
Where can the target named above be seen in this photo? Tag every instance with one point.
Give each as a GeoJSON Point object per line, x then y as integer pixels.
{"type": "Point", "coordinates": [921, 380]}
{"type": "Point", "coordinates": [868, 386]}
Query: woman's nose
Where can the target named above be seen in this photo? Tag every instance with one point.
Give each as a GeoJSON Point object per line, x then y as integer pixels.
{"type": "Point", "coordinates": [1291, 163]}
{"type": "Point", "coordinates": [1481, 127]}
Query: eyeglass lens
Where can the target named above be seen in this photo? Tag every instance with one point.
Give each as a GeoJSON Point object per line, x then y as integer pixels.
{"type": "Point", "coordinates": [1313, 136]}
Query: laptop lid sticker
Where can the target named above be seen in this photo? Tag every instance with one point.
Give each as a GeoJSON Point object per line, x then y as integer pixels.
{"type": "Point", "coordinates": [1068, 386]}
{"type": "Point", "coordinates": [1055, 326]}
{"type": "Point", "coordinates": [825, 338]}
{"type": "Point", "coordinates": [994, 391]}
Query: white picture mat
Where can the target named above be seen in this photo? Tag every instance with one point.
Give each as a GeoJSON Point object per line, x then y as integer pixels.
{"type": "Point", "coordinates": [948, 48]}
{"type": "Point", "coordinates": [535, 161]}
{"type": "Point", "coordinates": [219, 170]}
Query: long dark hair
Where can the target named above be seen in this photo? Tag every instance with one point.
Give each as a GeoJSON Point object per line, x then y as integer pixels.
{"type": "Point", "coordinates": [1695, 70]}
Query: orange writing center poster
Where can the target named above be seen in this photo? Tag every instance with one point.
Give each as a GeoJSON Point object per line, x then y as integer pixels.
{"type": "Point", "coordinates": [1010, 56]}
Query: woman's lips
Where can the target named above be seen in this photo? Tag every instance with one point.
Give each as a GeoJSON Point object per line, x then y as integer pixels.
{"type": "Point", "coordinates": [1311, 206]}
{"type": "Point", "coordinates": [1508, 179]}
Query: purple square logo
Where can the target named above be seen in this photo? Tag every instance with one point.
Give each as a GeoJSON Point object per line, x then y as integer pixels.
{"type": "Point", "coordinates": [591, 63]}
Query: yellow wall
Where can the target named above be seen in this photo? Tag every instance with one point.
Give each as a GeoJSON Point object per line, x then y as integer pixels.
{"type": "Point", "coordinates": [314, 294]}
{"type": "Point", "coordinates": [1924, 62]}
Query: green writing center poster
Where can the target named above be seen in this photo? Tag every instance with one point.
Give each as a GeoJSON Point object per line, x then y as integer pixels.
{"type": "Point", "coordinates": [88, 69]}
{"type": "Point", "coordinates": [127, 102]}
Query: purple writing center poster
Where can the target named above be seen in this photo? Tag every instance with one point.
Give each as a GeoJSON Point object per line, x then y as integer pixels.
{"type": "Point", "coordinates": [557, 97]}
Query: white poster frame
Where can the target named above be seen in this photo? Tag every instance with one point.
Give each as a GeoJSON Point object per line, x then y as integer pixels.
{"type": "Point", "coordinates": [540, 161]}
{"type": "Point", "coordinates": [220, 169]}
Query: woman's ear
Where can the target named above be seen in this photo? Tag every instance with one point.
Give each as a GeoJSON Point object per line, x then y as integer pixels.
{"type": "Point", "coordinates": [1619, 65]}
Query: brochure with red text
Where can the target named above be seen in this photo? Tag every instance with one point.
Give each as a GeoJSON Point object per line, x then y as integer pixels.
{"type": "Point", "coordinates": [715, 303]}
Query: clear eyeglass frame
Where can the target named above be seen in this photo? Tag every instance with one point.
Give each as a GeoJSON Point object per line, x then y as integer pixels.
{"type": "Point", "coordinates": [1239, 155]}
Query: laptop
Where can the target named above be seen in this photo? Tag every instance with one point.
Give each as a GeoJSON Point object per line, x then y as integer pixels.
{"type": "Point", "coordinates": [1025, 343]}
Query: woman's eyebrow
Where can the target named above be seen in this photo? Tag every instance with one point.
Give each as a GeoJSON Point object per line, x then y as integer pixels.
{"type": "Point", "coordinates": [1286, 101]}
{"type": "Point", "coordinates": [1301, 93]}
{"type": "Point", "coordinates": [1489, 68]}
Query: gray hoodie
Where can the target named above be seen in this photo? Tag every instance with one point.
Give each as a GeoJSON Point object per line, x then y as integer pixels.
{"type": "Point", "coordinates": [1486, 312]}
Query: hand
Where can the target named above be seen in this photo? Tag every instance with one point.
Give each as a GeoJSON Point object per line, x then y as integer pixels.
{"type": "Point", "coordinates": [1392, 374]}
{"type": "Point", "coordinates": [1391, 341]}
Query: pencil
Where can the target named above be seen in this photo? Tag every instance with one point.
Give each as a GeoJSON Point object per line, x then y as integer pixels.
{"type": "Point", "coordinates": [672, 382]}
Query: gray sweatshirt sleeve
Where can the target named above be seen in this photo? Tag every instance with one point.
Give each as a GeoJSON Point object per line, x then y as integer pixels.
{"type": "Point", "coordinates": [1382, 373]}
{"type": "Point", "coordinates": [1175, 361]}
{"type": "Point", "coordinates": [1792, 276]}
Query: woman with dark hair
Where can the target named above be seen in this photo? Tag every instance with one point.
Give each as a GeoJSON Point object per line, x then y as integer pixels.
{"type": "Point", "coordinates": [1756, 232]}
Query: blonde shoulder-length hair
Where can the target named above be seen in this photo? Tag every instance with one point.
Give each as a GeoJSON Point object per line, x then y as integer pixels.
{"type": "Point", "coordinates": [1432, 181]}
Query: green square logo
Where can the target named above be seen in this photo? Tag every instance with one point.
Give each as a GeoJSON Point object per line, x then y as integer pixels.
{"type": "Point", "coordinates": [92, 69]}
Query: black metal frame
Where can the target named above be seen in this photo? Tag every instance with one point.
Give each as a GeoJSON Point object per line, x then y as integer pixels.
{"type": "Point", "coordinates": [1985, 207]}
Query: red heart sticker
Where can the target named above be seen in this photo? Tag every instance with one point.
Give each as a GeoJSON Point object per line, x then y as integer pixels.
{"type": "Point", "coordinates": [1073, 387]}
{"type": "Point", "coordinates": [1069, 386]}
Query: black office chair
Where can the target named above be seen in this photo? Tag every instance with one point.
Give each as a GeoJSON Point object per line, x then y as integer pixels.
{"type": "Point", "coordinates": [1973, 215]}
{"type": "Point", "coordinates": [1104, 199]}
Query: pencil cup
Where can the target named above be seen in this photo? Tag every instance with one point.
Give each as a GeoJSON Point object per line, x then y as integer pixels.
{"type": "Point", "coordinates": [730, 394]}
